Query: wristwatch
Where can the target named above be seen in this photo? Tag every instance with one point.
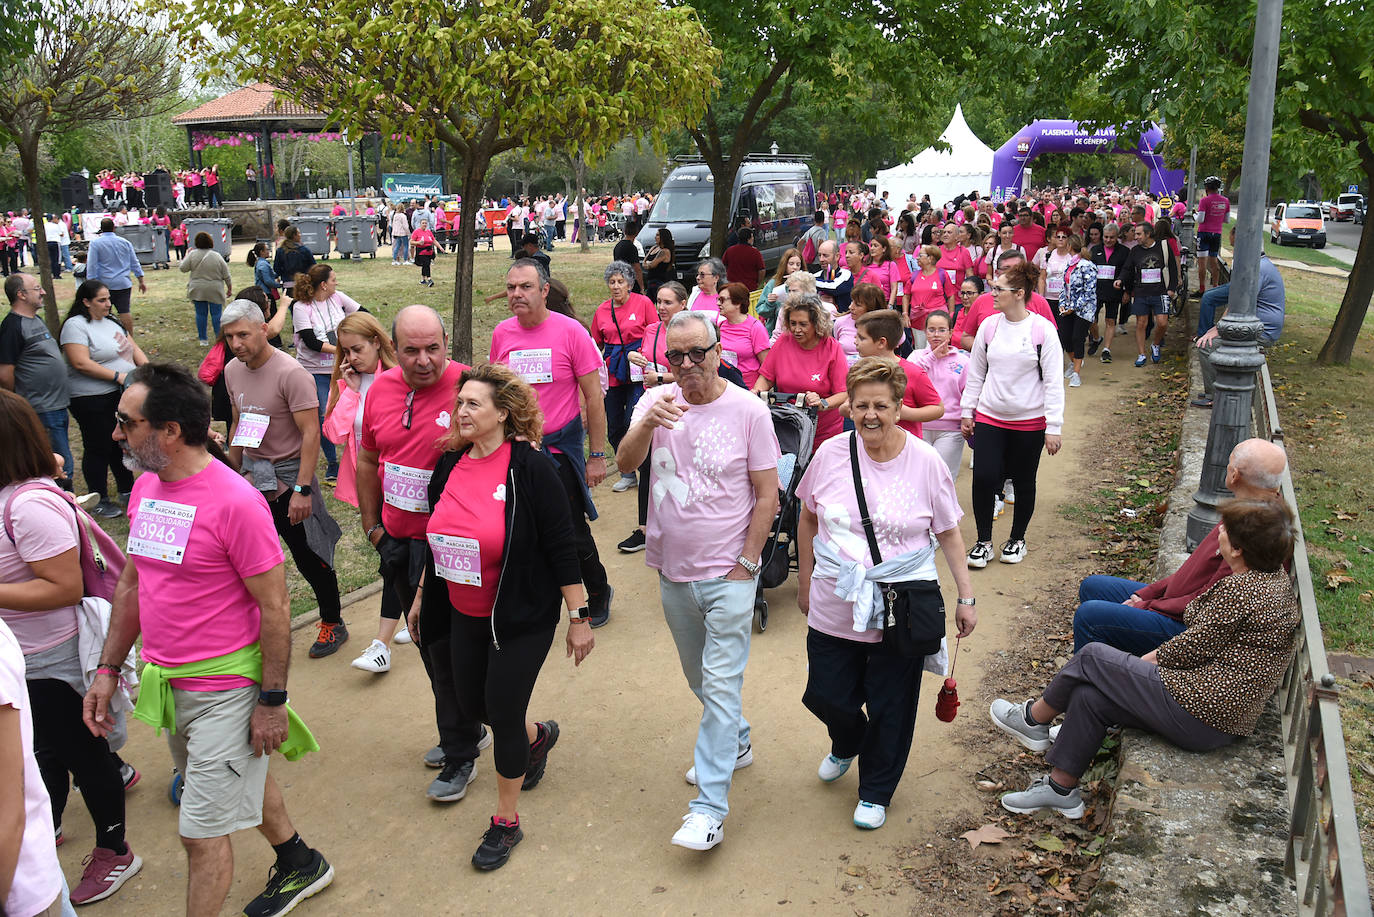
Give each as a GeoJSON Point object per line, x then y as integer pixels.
{"type": "Point", "coordinates": [749, 566]}
{"type": "Point", "coordinates": [304, 490]}
{"type": "Point", "coordinates": [272, 698]}
{"type": "Point", "coordinates": [579, 614]}
{"type": "Point", "coordinates": [964, 601]}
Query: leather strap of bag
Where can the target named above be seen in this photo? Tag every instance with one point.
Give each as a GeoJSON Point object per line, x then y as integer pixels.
{"type": "Point", "coordinates": [863, 504]}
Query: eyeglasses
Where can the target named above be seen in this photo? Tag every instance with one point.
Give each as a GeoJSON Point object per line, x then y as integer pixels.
{"type": "Point", "coordinates": [996, 289]}
{"type": "Point", "coordinates": [697, 355]}
{"type": "Point", "coordinates": [125, 421]}
{"type": "Point", "coordinates": [701, 274]}
{"type": "Point", "coordinates": [406, 415]}
{"type": "Point", "coordinates": [969, 292]}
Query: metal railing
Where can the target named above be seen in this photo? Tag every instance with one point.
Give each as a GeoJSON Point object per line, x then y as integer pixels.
{"type": "Point", "coordinates": [1324, 855]}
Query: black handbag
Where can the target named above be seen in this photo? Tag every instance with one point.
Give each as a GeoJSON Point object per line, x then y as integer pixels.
{"type": "Point", "coordinates": [914, 617]}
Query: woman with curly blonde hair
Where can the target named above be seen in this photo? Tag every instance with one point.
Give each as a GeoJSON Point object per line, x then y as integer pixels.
{"type": "Point", "coordinates": [808, 361]}
{"type": "Point", "coordinates": [501, 556]}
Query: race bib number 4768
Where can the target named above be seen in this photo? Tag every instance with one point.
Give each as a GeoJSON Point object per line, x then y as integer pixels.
{"type": "Point", "coordinates": [534, 365]}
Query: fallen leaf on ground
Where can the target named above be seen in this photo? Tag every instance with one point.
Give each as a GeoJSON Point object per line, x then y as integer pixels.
{"type": "Point", "coordinates": [988, 834]}
{"type": "Point", "coordinates": [1051, 843]}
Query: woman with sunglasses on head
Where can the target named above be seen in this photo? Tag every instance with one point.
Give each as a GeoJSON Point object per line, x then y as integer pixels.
{"type": "Point", "coordinates": [809, 362]}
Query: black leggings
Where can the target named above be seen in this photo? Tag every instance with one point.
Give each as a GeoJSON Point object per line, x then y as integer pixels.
{"type": "Point", "coordinates": [62, 743]}
{"type": "Point", "coordinates": [644, 492]}
{"type": "Point", "coordinates": [999, 454]}
{"type": "Point", "coordinates": [321, 577]}
{"type": "Point", "coordinates": [593, 571]}
{"type": "Point", "coordinates": [9, 260]}
{"type": "Point", "coordinates": [1073, 333]}
{"type": "Point", "coordinates": [494, 685]}
{"type": "Point", "coordinates": [100, 454]}
{"type": "Point", "coordinates": [424, 262]}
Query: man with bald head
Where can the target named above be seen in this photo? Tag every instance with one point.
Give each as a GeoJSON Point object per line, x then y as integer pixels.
{"type": "Point", "coordinates": [407, 409]}
{"type": "Point", "coordinates": [1137, 617]}
{"type": "Point", "coordinates": [833, 281]}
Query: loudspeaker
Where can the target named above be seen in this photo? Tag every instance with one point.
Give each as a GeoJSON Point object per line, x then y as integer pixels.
{"type": "Point", "coordinates": [76, 192]}
{"type": "Point", "coordinates": [157, 190]}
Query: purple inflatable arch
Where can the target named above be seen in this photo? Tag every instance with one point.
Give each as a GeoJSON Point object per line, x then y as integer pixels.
{"type": "Point", "coordinates": [1010, 161]}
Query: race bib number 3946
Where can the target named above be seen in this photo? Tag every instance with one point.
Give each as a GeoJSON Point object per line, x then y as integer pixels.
{"type": "Point", "coordinates": [161, 530]}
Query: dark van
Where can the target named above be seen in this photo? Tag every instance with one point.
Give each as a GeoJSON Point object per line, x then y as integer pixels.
{"type": "Point", "coordinates": [774, 194]}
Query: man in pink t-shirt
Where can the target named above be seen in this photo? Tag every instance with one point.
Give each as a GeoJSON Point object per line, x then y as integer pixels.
{"type": "Point", "coordinates": [1213, 211]}
{"type": "Point", "coordinates": [556, 356]}
{"type": "Point", "coordinates": [1028, 234]}
{"type": "Point", "coordinates": [205, 580]}
{"type": "Point", "coordinates": [714, 491]}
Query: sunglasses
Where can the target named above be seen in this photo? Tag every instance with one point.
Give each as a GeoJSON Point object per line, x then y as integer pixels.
{"type": "Point", "coordinates": [125, 421]}
{"type": "Point", "coordinates": [406, 415]}
{"type": "Point", "coordinates": [696, 354]}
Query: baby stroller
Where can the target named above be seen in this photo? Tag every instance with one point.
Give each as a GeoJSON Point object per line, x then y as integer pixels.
{"type": "Point", "coordinates": [795, 427]}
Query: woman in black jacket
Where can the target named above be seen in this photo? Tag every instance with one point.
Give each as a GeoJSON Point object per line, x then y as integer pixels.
{"type": "Point", "coordinates": [292, 258]}
{"type": "Point", "coordinates": [501, 556]}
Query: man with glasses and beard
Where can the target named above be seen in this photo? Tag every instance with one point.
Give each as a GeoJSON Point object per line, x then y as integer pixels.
{"type": "Point", "coordinates": [205, 587]}
{"type": "Point", "coordinates": [714, 460]}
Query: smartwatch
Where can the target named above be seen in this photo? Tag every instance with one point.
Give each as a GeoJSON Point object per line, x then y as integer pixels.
{"type": "Point", "coordinates": [579, 614]}
{"type": "Point", "coordinates": [304, 490]}
{"type": "Point", "coordinates": [272, 698]}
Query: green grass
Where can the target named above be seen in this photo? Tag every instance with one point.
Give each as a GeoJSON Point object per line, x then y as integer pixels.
{"type": "Point", "coordinates": [164, 324]}
{"type": "Point", "coordinates": [1306, 255]}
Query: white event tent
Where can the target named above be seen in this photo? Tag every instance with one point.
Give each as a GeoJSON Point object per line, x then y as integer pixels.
{"type": "Point", "coordinates": [965, 167]}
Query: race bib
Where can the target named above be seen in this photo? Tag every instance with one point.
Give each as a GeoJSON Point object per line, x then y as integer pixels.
{"type": "Point", "coordinates": [534, 366]}
{"type": "Point", "coordinates": [636, 372]}
{"type": "Point", "coordinates": [458, 560]}
{"type": "Point", "coordinates": [1054, 284]}
{"type": "Point", "coordinates": [951, 275]}
{"type": "Point", "coordinates": [729, 356]}
{"type": "Point", "coordinates": [406, 488]}
{"type": "Point", "coordinates": [852, 358]}
{"type": "Point", "coordinates": [1151, 275]}
{"type": "Point", "coordinates": [1106, 272]}
{"type": "Point", "coordinates": [161, 530]}
{"type": "Point", "coordinates": [250, 431]}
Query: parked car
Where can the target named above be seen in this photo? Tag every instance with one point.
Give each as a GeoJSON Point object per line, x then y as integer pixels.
{"type": "Point", "coordinates": [1298, 223]}
{"type": "Point", "coordinates": [1326, 209]}
{"type": "Point", "coordinates": [1359, 213]}
{"type": "Point", "coordinates": [1345, 206]}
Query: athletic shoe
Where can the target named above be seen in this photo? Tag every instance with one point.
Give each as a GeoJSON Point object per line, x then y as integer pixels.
{"type": "Point", "coordinates": [57, 836]}
{"type": "Point", "coordinates": [402, 635]}
{"type": "Point", "coordinates": [601, 611]}
{"type": "Point", "coordinates": [484, 740]}
{"type": "Point", "coordinates": [1008, 492]}
{"type": "Point", "coordinates": [1093, 344]}
{"type": "Point", "coordinates": [1040, 795]}
{"type": "Point", "coordinates": [496, 845]}
{"type": "Point", "coordinates": [743, 759]}
{"type": "Point", "coordinates": [452, 783]}
{"type": "Point", "coordinates": [375, 658]}
{"type": "Point", "coordinates": [129, 774]}
{"type": "Point", "coordinates": [1075, 380]}
{"type": "Point", "coordinates": [869, 815]}
{"type": "Point", "coordinates": [626, 482]}
{"type": "Point", "coordinates": [105, 872]}
{"type": "Point", "coordinates": [833, 768]}
{"type": "Point", "coordinates": [1202, 401]}
{"type": "Point", "coordinates": [107, 510]}
{"type": "Point", "coordinates": [434, 757]}
{"type": "Point", "coordinates": [287, 888]}
{"type": "Point", "coordinates": [202, 342]}
{"type": "Point", "coordinates": [980, 555]}
{"type": "Point", "coordinates": [87, 500]}
{"type": "Point", "coordinates": [1154, 353]}
{"type": "Point", "coordinates": [1106, 356]}
{"type": "Point", "coordinates": [1011, 719]}
{"type": "Point", "coordinates": [633, 544]}
{"type": "Point", "coordinates": [699, 831]}
{"type": "Point", "coordinates": [1120, 329]}
{"type": "Point", "coordinates": [332, 636]}
{"type": "Point", "coordinates": [998, 506]}
{"type": "Point", "coordinates": [539, 753]}
{"type": "Point", "coordinates": [1013, 552]}
{"type": "Point", "coordinates": [1068, 372]}
{"type": "Point", "coordinates": [1140, 360]}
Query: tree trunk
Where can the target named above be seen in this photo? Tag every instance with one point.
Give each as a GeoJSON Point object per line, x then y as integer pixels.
{"type": "Point", "coordinates": [33, 194]}
{"type": "Point", "coordinates": [1345, 330]}
{"type": "Point", "coordinates": [580, 180]}
{"type": "Point", "coordinates": [474, 172]}
{"type": "Point", "coordinates": [722, 217]}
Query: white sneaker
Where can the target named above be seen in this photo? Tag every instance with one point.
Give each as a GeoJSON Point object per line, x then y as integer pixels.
{"type": "Point", "coordinates": [1120, 329]}
{"type": "Point", "coordinates": [999, 506]}
{"type": "Point", "coordinates": [1013, 552]}
{"type": "Point", "coordinates": [1075, 380]}
{"type": "Point", "coordinates": [743, 759]}
{"type": "Point", "coordinates": [869, 815]}
{"type": "Point", "coordinates": [1068, 372]}
{"type": "Point", "coordinates": [624, 483]}
{"type": "Point", "coordinates": [699, 831]}
{"type": "Point", "coordinates": [402, 635]}
{"type": "Point", "coordinates": [833, 768]}
{"type": "Point", "coordinates": [980, 555]}
{"type": "Point", "coordinates": [1008, 492]}
{"type": "Point", "coordinates": [376, 658]}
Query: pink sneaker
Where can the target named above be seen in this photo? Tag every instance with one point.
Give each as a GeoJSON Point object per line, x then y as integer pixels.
{"type": "Point", "coordinates": [105, 872]}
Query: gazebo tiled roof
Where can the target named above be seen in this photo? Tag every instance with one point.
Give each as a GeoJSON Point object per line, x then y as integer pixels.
{"type": "Point", "coordinates": [257, 103]}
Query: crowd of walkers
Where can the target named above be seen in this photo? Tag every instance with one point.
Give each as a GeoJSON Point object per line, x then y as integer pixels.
{"type": "Point", "coordinates": [474, 485]}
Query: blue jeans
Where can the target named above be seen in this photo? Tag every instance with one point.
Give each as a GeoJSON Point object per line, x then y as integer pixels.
{"type": "Point", "coordinates": [331, 456]}
{"type": "Point", "coordinates": [1102, 618]}
{"type": "Point", "coordinates": [55, 422]}
{"type": "Point", "coordinates": [550, 230]}
{"type": "Point", "coordinates": [207, 313]}
{"type": "Point", "coordinates": [1207, 308]}
{"type": "Point", "coordinates": [711, 621]}
{"type": "Point", "coordinates": [65, 252]}
{"type": "Point", "coordinates": [400, 248]}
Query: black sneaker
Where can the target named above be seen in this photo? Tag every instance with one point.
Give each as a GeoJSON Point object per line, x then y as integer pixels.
{"type": "Point", "coordinates": [332, 636]}
{"type": "Point", "coordinates": [1106, 356]}
{"type": "Point", "coordinates": [601, 608]}
{"type": "Point", "coordinates": [106, 509]}
{"type": "Point", "coordinates": [632, 544]}
{"type": "Point", "coordinates": [288, 888]}
{"type": "Point", "coordinates": [539, 753]}
{"type": "Point", "coordinates": [496, 846]}
{"type": "Point", "coordinates": [1093, 344]}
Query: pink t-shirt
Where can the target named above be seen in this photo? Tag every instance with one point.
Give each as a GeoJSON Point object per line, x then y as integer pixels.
{"type": "Point", "coordinates": [406, 457]}
{"type": "Point", "coordinates": [948, 374]}
{"type": "Point", "coordinates": [822, 370]}
{"type": "Point", "coordinates": [656, 345]}
{"type": "Point", "coordinates": [37, 874]}
{"type": "Point", "coordinates": [551, 357]}
{"type": "Point", "coordinates": [213, 531]}
{"type": "Point", "coordinates": [741, 345]}
{"type": "Point", "coordinates": [928, 292]}
{"type": "Point", "coordinates": [627, 325]}
{"type": "Point", "coordinates": [845, 332]}
{"type": "Point", "coordinates": [472, 508]}
{"type": "Point", "coordinates": [955, 264]}
{"type": "Point", "coordinates": [841, 218]}
{"type": "Point", "coordinates": [908, 497]}
{"type": "Point", "coordinates": [884, 275]}
{"type": "Point", "coordinates": [699, 476]}
{"type": "Point", "coordinates": [983, 308]}
{"type": "Point", "coordinates": [1215, 208]}
{"type": "Point", "coordinates": [44, 526]}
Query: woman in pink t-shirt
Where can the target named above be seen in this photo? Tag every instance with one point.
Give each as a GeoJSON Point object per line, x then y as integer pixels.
{"type": "Point", "coordinates": [863, 299]}
{"type": "Point", "coordinates": [863, 692]}
{"type": "Point", "coordinates": [743, 339]}
{"type": "Point", "coordinates": [878, 269]}
{"type": "Point", "coordinates": [809, 362]}
{"type": "Point", "coordinates": [618, 329]}
{"type": "Point", "coordinates": [955, 260]}
{"type": "Point", "coordinates": [928, 290]}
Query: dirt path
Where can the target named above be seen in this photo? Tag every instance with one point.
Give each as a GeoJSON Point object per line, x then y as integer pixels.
{"type": "Point", "coordinates": [597, 828]}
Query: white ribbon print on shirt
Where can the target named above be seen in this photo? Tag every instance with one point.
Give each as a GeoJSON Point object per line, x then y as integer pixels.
{"type": "Point", "coordinates": [895, 503]}
{"type": "Point", "coordinates": [714, 447]}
